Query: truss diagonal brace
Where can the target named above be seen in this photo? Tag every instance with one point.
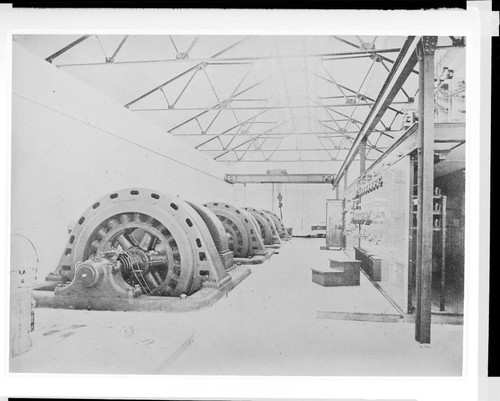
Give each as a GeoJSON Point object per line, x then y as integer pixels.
{"type": "Point", "coordinates": [400, 71]}
{"type": "Point", "coordinates": [244, 143]}
{"type": "Point", "coordinates": [66, 48]}
{"type": "Point", "coordinates": [217, 105]}
{"type": "Point", "coordinates": [375, 52]}
{"type": "Point", "coordinates": [197, 66]}
{"type": "Point", "coordinates": [229, 129]}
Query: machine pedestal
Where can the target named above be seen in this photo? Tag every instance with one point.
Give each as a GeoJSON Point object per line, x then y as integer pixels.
{"type": "Point", "coordinates": [201, 299]}
{"type": "Point", "coordinates": [256, 259]}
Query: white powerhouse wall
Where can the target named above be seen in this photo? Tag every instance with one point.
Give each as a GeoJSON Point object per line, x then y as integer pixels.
{"type": "Point", "coordinates": [71, 145]}
{"type": "Point", "coordinates": [304, 205]}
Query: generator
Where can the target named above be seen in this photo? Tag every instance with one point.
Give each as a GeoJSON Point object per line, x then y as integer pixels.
{"type": "Point", "coordinates": [140, 249]}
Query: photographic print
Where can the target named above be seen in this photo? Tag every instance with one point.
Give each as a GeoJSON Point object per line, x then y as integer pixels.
{"type": "Point", "coordinates": [289, 205]}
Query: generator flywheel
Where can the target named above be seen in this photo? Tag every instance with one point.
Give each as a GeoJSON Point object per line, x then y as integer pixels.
{"type": "Point", "coordinates": [160, 242]}
{"type": "Point", "coordinates": [242, 230]}
{"type": "Point", "coordinates": [266, 225]}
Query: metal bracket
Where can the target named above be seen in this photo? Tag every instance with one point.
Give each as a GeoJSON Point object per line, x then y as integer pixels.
{"type": "Point", "coordinates": [427, 46]}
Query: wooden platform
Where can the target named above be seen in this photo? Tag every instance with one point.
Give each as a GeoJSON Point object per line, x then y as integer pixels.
{"type": "Point", "coordinates": [343, 271]}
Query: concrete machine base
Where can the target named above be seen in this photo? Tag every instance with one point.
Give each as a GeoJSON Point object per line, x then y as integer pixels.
{"type": "Point", "coordinates": [204, 298]}
{"type": "Point", "coordinates": [256, 259]}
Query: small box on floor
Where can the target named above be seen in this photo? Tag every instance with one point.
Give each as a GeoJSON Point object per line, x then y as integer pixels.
{"type": "Point", "coordinates": [340, 273]}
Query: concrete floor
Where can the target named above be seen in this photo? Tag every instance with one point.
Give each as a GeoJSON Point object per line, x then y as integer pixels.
{"type": "Point", "coordinates": [267, 325]}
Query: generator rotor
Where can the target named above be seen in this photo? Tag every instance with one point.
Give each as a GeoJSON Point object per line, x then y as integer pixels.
{"type": "Point", "coordinates": [163, 244]}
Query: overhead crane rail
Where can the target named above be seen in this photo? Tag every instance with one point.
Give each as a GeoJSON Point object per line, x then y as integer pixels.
{"type": "Point", "coordinates": [280, 178]}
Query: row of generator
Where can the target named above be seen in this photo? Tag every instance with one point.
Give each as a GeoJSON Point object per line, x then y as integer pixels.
{"type": "Point", "coordinates": [142, 244]}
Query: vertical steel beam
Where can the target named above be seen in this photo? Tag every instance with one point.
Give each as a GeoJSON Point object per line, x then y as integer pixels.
{"type": "Point", "coordinates": [442, 299]}
{"type": "Point", "coordinates": [362, 157]}
{"type": "Point", "coordinates": [425, 185]}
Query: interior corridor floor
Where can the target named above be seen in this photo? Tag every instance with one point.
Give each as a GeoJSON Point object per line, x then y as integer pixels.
{"type": "Point", "coordinates": [267, 325]}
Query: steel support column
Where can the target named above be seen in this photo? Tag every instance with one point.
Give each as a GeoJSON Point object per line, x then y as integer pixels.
{"type": "Point", "coordinates": [425, 52]}
{"type": "Point", "coordinates": [362, 157]}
